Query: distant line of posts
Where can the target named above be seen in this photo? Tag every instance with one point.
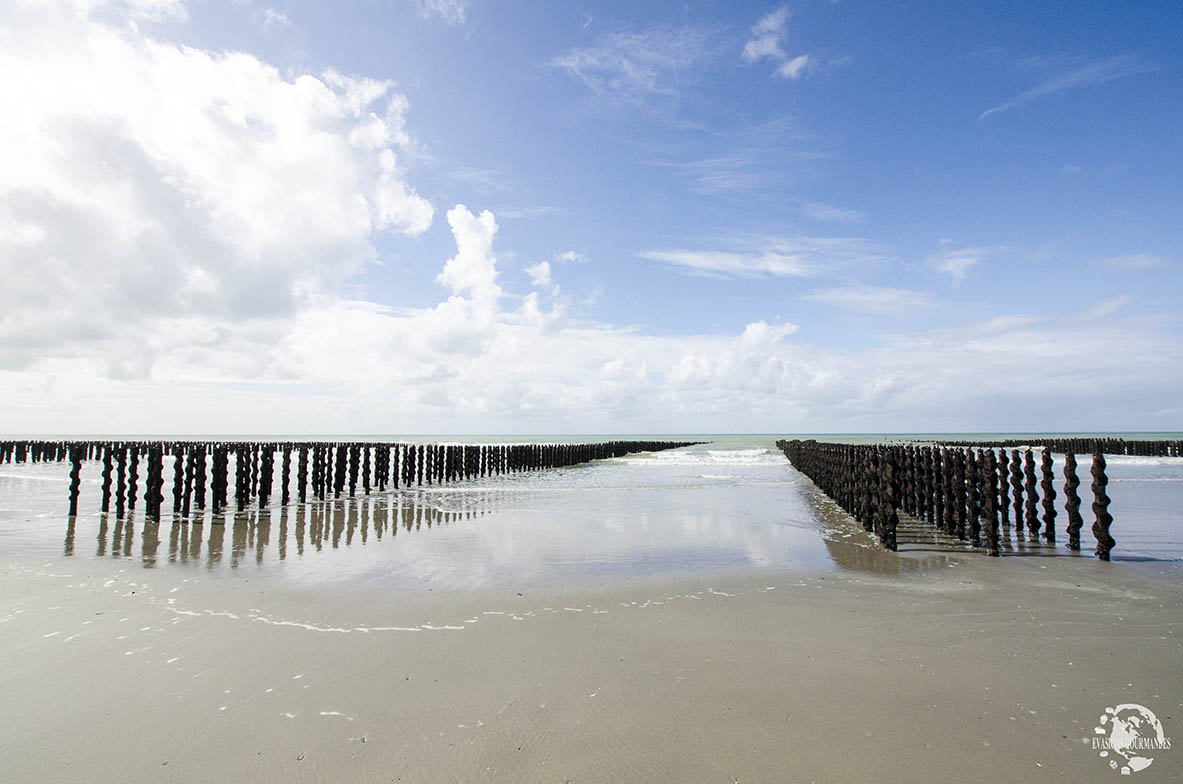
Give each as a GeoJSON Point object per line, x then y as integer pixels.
{"type": "Point", "coordinates": [326, 469]}
{"type": "Point", "coordinates": [960, 491]}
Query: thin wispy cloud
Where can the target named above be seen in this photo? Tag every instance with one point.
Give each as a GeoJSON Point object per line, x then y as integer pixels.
{"type": "Point", "coordinates": [873, 300]}
{"type": "Point", "coordinates": [450, 12]}
{"type": "Point", "coordinates": [767, 41]}
{"type": "Point", "coordinates": [828, 213]}
{"type": "Point", "coordinates": [778, 257]}
{"type": "Point", "coordinates": [638, 66]}
{"type": "Point", "coordinates": [957, 262]}
{"type": "Point", "coordinates": [742, 159]}
{"type": "Point", "coordinates": [1132, 261]}
{"type": "Point", "coordinates": [1096, 72]}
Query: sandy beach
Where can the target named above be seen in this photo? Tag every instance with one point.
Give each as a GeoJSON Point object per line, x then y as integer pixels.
{"type": "Point", "coordinates": [959, 667]}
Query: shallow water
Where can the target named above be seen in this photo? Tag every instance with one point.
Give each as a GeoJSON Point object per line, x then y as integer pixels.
{"type": "Point", "coordinates": [731, 505]}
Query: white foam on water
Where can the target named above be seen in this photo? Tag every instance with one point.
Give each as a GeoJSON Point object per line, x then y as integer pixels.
{"type": "Point", "coordinates": [708, 457]}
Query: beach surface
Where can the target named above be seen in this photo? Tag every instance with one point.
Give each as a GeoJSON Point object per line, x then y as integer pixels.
{"type": "Point", "coordinates": [976, 670]}
{"type": "Point", "coordinates": [703, 618]}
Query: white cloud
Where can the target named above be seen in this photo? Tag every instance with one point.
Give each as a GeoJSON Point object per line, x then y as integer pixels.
{"type": "Point", "coordinates": [957, 262]}
{"type": "Point", "coordinates": [792, 69]}
{"type": "Point", "coordinates": [1133, 261]}
{"type": "Point", "coordinates": [175, 226]}
{"type": "Point", "coordinates": [828, 213]}
{"type": "Point", "coordinates": [472, 271]}
{"type": "Point", "coordinates": [767, 35]}
{"type": "Point", "coordinates": [540, 277]}
{"type": "Point", "coordinates": [451, 12]}
{"type": "Point", "coordinates": [147, 181]}
{"type": "Point", "coordinates": [873, 300]}
{"type": "Point", "coordinates": [767, 40]}
{"type": "Point", "coordinates": [638, 66]}
{"type": "Point", "coordinates": [780, 257]}
{"type": "Point", "coordinates": [273, 17]}
{"type": "Point", "coordinates": [1090, 73]}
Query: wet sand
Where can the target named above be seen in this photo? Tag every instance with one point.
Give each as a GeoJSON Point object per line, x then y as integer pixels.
{"type": "Point", "coordinates": [956, 668]}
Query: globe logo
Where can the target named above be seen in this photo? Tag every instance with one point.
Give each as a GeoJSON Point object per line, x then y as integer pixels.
{"type": "Point", "coordinates": [1127, 736]}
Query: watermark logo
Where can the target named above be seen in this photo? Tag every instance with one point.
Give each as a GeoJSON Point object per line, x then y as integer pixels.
{"type": "Point", "coordinates": [1128, 736]}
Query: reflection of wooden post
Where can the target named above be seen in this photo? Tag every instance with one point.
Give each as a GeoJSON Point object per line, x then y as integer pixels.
{"type": "Point", "coordinates": [1072, 501]}
{"type": "Point", "coordinates": [1105, 542]}
{"type": "Point", "coordinates": [1049, 496]}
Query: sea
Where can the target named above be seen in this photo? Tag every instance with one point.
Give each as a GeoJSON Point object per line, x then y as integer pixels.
{"type": "Point", "coordinates": [731, 504]}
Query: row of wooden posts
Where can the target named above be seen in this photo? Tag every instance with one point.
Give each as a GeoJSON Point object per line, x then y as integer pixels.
{"type": "Point", "coordinates": [326, 469]}
{"type": "Point", "coordinates": [1085, 446]}
{"type": "Point", "coordinates": [962, 492]}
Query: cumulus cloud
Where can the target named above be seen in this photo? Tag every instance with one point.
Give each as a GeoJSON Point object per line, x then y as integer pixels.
{"type": "Point", "coordinates": [173, 255]}
{"type": "Point", "coordinates": [146, 180]}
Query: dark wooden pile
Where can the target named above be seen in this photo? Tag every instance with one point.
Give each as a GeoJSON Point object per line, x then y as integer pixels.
{"type": "Point", "coordinates": [959, 491]}
{"type": "Point", "coordinates": [336, 467]}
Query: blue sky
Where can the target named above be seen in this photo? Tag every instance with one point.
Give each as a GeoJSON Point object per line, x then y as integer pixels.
{"type": "Point", "coordinates": [834, 216]}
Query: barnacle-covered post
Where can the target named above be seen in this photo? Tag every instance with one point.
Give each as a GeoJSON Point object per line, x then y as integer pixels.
{"type": "Point", "coordinates": [1032, 500]}
{"type": "Point", "coordinates": [285, 482]}
{"type": "Point", "coordinates": [973, 499]}
{"type": "Point", "coordinates": [120, 481]}
{"type": "Point", "coordinates": [1003, 489]}
{"type": "Point", "coordinates": [1049, 496]}
{"type": "Point", "coordinates": [893, 501]}
{"type": "Point", "coordinates": [178, 477]}
{"type": "Point", "coordinates": [990, 473]}
{"type": "Point", "coordinates": [1016, 486]}
{"type": "Point", "coordinates": [1103, 520]}
{"type": "Point", "coordinates": [1072, 501]}
{"type": "Point", "coordinates": [106, 478]}
{"type": "Point", "coordinates": [75, 478]}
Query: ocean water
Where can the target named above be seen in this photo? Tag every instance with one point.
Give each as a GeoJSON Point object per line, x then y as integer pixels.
{"type": "Point", "coordinates": [731, 505]}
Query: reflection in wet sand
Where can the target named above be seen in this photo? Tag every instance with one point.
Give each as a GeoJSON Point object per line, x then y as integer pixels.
{"type": "Point", "coordinates": [337, 524]}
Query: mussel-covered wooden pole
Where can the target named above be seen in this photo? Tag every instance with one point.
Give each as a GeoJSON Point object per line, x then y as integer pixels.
{"type": "Point", "coordinates": [335, 467]}
{"type": "Point", "coordinates": [1072, 501]}
{"type": "Point", "coordinates": [1103, 520]}
{"type": "Point", "coordinates": [957, 492]}
{"type": "Point", "coordinates": [1049, 496]}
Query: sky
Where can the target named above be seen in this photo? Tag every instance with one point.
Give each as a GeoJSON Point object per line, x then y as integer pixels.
{"type": "Point", "coordinates": [466, 216]}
